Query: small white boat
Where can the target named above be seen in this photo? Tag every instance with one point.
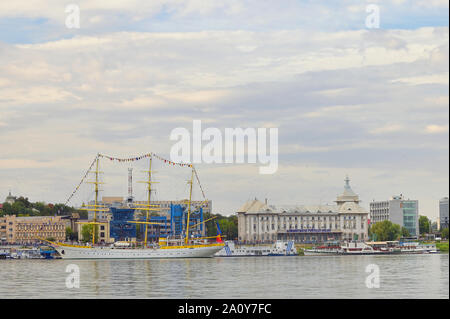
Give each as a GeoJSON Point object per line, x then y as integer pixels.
{"type": "Point", "coordinates": [279, 248]}
{"type": "Point", "coordinates": [29, 253]}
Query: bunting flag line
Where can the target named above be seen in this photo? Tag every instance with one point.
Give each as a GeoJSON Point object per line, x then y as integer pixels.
{"type": "Point", "coordinates": [82, 180]}
{"type": "Point", "coordinates": [132, 159]}
{"type": "Point", "coordinates": [137, 158]}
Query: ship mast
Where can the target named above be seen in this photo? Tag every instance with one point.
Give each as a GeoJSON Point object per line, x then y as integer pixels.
{"type": "Point", "coordinates": [147, 207]}
{"type": "Point", "coordinates": [96, 207]}
{"type": "Point", "coordinates": [189, 205]}
{"type": "Point", "coordinates": [96, 201]}
{"type": "Point", "coordinates": [149, 190]}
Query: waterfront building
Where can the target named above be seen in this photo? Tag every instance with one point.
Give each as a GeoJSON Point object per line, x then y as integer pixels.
{"type": "Point", "coordinates": [347, 220]}
{"type": "Point", "coordinates": [404, 212]}
{"type": "Point", "coordinates": [443, 213]}
{"type": "Point", "coordinates": [27, 230]}
{"type": "Point", "coordinates": [72, 221]}
{"type": "Point", "coordinates": [104, 232]}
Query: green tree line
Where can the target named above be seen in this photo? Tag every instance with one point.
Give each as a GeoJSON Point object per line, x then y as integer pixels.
{"type": "Point", "coordinates": [387, 231]}
{"type": "Point", "coordinates": [23, 207]}
{"type": "Point", "coordinates": [228, 226]}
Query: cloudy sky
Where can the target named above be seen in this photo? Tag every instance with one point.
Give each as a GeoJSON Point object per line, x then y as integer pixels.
{"type": "Point", "coordinates": [346, 99]}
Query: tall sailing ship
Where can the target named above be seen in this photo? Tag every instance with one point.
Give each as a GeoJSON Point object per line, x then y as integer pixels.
{"type": "Point", "coordinates": [184, 246]}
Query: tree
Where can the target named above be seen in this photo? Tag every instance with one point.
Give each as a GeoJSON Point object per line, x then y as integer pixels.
{"type": "Point", "coordinates": [385, 230]}
{"type": "Point", "coordinates": [424, 225]}
{"type": "Point", "coordinates": [228, 226]}
{"type": "Point", "coordinates": [444, 233]}
{"type": "Point", "coordinates": [70, 234]}
{"type": "Point", "coordinates": [86, 233]}
{"type": "Point", "coordinates": [405, 232]}
{"type": "Point", "coordinates": [7, 209]}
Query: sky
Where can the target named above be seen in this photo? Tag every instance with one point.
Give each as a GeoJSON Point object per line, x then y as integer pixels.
{"type": "Point", "coordinates": [370, 103]}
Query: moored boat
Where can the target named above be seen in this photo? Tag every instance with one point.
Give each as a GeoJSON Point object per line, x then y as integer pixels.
{"type": "Point", "coordinates": [179, 251]}
{"type": "Point", "coordinates": [279, 248]}
{"type": "Point", "coordinates": [328, 249]}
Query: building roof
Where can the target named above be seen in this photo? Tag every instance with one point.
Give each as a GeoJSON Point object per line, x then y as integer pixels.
{"type": "Point", "coordinates": [348, 195]}
{"type": "Point", "coordinates": [351, 207]}
{"type": "Point", "coordinates": [302, 209]}
{"type": "Point", "coordinates": [254, 206]}
{"type": "Point", "coordinates": [112, 199]}
{"type": "Point", "coordinates": [347, 202]}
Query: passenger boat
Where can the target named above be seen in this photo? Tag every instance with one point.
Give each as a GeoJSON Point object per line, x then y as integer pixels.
{"type": "Point", "coordinates": [181, 247]}
{"type": "Point", "coordinates": [417, 248]}
{"type": "Point", "coordinates": [429, 248]}
{"type": "Point", "coordinates": [279, 248]}
{"type": "Point", "coordinates": [323, 250]}
{"type": "Point", "coordinates": [360, 248]}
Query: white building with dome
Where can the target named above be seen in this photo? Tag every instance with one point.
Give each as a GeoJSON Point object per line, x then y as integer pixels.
{"type": "Point", "coordinates": [346, 220]}
{"type": "Point", "coordinates": [10, 199]}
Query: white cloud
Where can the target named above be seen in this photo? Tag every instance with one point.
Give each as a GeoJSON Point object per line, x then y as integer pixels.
{"type": "Point", "coordinates": [359, 102]}
{"type": "Point", "coordinates": [433, 129]}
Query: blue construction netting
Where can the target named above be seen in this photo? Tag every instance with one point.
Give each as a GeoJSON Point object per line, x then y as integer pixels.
{"type": "Point", "coordinates": [178, 220]}
{"type": "Point", "coordinates": [155, 231]}
{"type": "Point", "coordinates": [120, 228]}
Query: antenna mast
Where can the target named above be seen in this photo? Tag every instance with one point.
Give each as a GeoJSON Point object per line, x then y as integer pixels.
{"type": "Point", "coordinates": [130, 185]}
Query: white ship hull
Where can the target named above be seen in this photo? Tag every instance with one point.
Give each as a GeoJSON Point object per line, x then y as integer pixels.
{"type": "Point", "coordinates": [67, 252]}
{"type": "Point", "coordinates": [314, 252]}
{"type": "Point", "coordinates": [280, 248]}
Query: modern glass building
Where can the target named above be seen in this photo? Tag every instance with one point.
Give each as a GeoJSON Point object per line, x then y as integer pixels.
{"type": "Point", "coordinates": [397, 210]}
{"type": "Point", "coordinates": [443, 213]}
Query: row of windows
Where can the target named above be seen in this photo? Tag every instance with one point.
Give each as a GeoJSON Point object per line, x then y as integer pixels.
{"type": "Point", "coordinates": [40, 227]}
{"type": "Point", "coordinates": [347, 225]}
{"type": "Point", "coordinates": [379, 205]}
{"type": "Point", "coordinates": [330, 218]}
{"type": "Point", "coordinates": [307, 237]}
{"type": "Point", "coordinates": [33, 235]}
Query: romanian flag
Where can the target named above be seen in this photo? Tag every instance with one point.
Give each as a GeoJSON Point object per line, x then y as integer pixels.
{"type": "Point", "coordinates": [219, 233]}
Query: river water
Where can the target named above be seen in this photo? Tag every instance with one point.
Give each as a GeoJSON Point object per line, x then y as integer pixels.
{"type": "Point", "coordinates": [400, 276]}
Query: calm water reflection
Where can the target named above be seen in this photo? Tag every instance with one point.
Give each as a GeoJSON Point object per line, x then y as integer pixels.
{"type": "Point", "coordinates": [407, 276]}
